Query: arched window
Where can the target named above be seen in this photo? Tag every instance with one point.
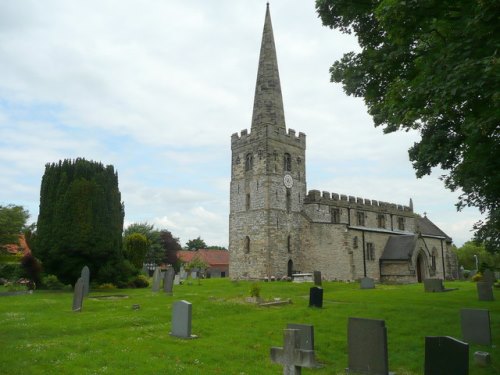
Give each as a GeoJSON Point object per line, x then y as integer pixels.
{"type": "Point", "coordinates": [287, 163]}
{"type": "Point", "coordinates": [247, 244]}
{"type": "Point", "coordinates": [433, 258]}
{"type": "Point", "coordinates": [288, 200]}
{"type": "Point", "coordinates": [247, 202]}
{"type": "Point", "coordinates": [248, 162]}
{"type": "Point", "coordinates": [355, 242]}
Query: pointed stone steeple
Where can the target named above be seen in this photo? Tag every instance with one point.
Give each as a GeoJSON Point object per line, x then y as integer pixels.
{"type": "Point", "coordinates": [268, 101]}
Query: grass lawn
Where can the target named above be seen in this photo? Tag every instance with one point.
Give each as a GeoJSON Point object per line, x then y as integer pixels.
{"type": "Point", "coordinates": [39, 334]}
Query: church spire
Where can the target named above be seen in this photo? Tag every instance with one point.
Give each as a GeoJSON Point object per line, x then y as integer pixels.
{"type": "Point", "coordinates": [268, 101]}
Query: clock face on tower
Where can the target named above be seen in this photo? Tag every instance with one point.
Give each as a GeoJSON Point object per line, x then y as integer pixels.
{"type": "Point", "coordinates": [288, 181]}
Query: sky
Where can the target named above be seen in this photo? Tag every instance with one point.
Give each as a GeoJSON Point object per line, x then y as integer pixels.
{"type": "Point", "coordinates": [156, 88]}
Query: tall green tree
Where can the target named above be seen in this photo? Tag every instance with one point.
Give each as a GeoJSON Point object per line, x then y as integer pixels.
{"type": "Point", "coordinates": [431, 65]}
{"type": "Point", "coordinates": [196, 244]}
{"type": "Point", "coordinates": [468, 251]}
{"type": "Point", "coordinates": [12, 223]}
{"type": "Point", "coordinates": [170, 246]}
{"type": "Point", "coordinates": [81, 222]}
{"type": "Point", "coordinates": [136, 247]}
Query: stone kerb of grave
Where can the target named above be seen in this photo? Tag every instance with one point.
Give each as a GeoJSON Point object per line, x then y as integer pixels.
{"type": "Point", "coordinates": [291, 356]}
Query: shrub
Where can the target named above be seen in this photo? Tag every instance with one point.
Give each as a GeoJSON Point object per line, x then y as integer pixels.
{"type": "Point", "coordinates": [106, 286]}
{"type": "Point", "coordinates": [255, 290]}
{"type": "Point", "coordinates": [51, 282]}
{"type": "Point", "coordinates": [477, 277]}
{"type": "Point", "coordinates": [140, 281]}
{"type": "Point", "coordinates": [10, 271]}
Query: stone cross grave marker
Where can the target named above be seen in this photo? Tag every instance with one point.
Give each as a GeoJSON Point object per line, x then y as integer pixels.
{"type": "Point", "coordinates": [445, 355]}
{"type": "Point", "coordinates": [484, 291]}
{"type": "Point", "coordinates": [168, 281]}
{"type": "Point", "coordinates": [291, 356]}
{"type": "Point", "coordinates": [306, 337]}
{"type": "Point", "coordinates": [156, 279]}
{"type": "Point", "coordinates": [317, 278]}
{"type": "Point", "coordinates": [367, 346]}
{"type": "Point", "coordinates": [181, 320]}
{"type": "Point", "coordinates": [316, 297]}
{"type": "Point", "coordinates": [85, 275]}
{"type": "Point", "coordinates": [476, 328]}
{"type": "Point", "coordinates": [433, 285]}
{"type": "Point", "coordinates": [367, 283]}
{"type": "Point", "coordinates": [78, 295]}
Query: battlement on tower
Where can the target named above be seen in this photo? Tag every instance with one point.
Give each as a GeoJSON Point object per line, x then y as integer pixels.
{"type": "Point", "coordinates": [334, 199]}
{"type": "Point", "coordinates": [288, 137]}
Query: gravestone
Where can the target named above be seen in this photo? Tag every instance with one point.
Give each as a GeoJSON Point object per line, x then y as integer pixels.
{"type": "Point", "coordinates": [367, 346]}
{"type": "Point", "coordinates": [156, 279]}
{"type": "Point", "coordinates": [433, 285]}
{"type": "Point", "coordinates": [85, 275]}
{"type": "Point", "coordinates": [446, 356]}
{"type": "Point", "coordinates": [484, 291]}
{"type": "Point", "coordinates": [317, 278]}
{"type": "Point", "coordinates": [181, 320]}
{"type": "Point", "coordinates": [316, 297]}
{"type": "Point", "coordinates": [488, 277]}
{"type": "Point", "coordinates": [78, 295]}
{"type": "Point", "coordinates": [306, 335]}
{"type": "Point", "coordinates": [367, 283]}
{"type": "Point", "coordinates": [476, 328]}
{"type": "Point", "coordinates": [291, 356]}
{"type": "Point", "coordinates": [177, 279]}
{"type": "Point", "coordinates": [168, 281]}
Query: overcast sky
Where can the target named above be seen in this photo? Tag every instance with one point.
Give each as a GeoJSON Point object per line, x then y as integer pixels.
{"type": "Point", "coordinates": [156, 88]}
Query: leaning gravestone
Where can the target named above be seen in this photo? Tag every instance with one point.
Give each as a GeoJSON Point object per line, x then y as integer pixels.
{"type": "Point", "coordinates": [367, 347]}
{"type": "Point", "coordinates": [85, 275]}
{"type": "Point", "coordinates": [367, 283]}
{"type": "Point", "coordinates": [291, 356]}
{"type": "Point", "coordinates": [156, 279]}
{"type": "Point", "coordinates": [317, 278]}
{"type": "Point", "coordinates": [316, 297]}
{"type": "Point", "coordinates": [446, 356]}
{"type": "Point", "coordinates": [168, 281]}
{"type": "Point", "coordinates": [433, 285]}
{"type": "Point", "coordinates": [181, 320]}
{"type": "Point", "coordinates": [484, 291]}
{"type": "Point", "coordinates": [78, 295]}
{"type": "Point", "coordinates": [476, 328]}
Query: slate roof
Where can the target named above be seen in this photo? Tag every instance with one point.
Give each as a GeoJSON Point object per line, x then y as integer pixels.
{"type": "Point", "coordinates": [427, 227]}
{"type": "Point", "coordinates": [399, 247]}
{"type": "Point", "coordinates": [211, 257]}
{"type": "Point", "coordinates": [20, 247]}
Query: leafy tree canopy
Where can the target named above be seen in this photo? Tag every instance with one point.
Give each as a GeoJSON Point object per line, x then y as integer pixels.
{"type": "Point", "coordinates": [12, 223]}
{"type": "Point", "coordinates": [136, 247]}
{"type": "Point", "coordinates": [196, 244]}
{"type": "Point", "coordinates": [468, 250]}
{"type": "Point", "coordinates": [431, 66]}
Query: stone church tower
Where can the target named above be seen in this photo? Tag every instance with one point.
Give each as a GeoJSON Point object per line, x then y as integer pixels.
{"type": "Point", "coordinates": [267, 180]}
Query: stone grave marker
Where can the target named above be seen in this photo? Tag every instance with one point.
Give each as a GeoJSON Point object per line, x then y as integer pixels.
{"type": "Point", "coordinates": [177, 280]}
{"type": "Point", "coordinates": [433, 285]}
{"type": "Point", "coordinates": [78, 295]}
{"type": "Point", "coordinates": [168, 281]}
{"type": "Point", "coordinates": [156, 279]}
{"type": "Point", "coordinates": [446, 356]}
{"type": "Point", "coordinates": [367, 346]}
{"type": "Point", "coordinates": [488, 277]}
{"type": "Point", "coordinates": [291, 356]}
{"type": "Point", "coordinates": [485, 291]}
{"type": "Point", "coordinates": [317, 278]}
{"type": "Point", "coordinates": [306, 335]}
{"type": "Point", "coordinates": [316, 297]}
{"type": "Point", "coordinates": [85, 275]}
{"type": "Point", "coordinates": [367, 283]}
{"type": "Point", "coordinates": [476, 328]}
{"type": "Point", "coordinates": [181, 320]}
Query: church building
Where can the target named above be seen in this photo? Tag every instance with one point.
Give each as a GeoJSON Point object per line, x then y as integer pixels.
{"type": "Point", "coordinates": [278, 228]}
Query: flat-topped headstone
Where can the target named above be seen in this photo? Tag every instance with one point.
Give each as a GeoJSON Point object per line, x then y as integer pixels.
{"type": "Point", "coordinates": [367, 283]}
{"type": "Point", "coordinates": [168, 281]}
{"type": "Point", "coordinates": [85, 275]}
{"type": "Point", "coordinates": [446, 356]}
{"type": "Point", "coordinates": [181, 320]}
{"type": "Point", "coordinates": [316, 297]}
{"type": "Point", "coordinates": [433, 285]}
{"type": "Point", "coordinates": [317, 278]}
{"type": "Point", "coordinates": [156, 280]}
{"type": "Point", "coordinates": [476, 328]}
{"type": "Point", "coordinates": [291, 356]}
{"type": "Point", "coordinates": [485, 291]}
{"type": "Point", "coordinates": [488, 277]}
{"type": "Point", "coordinates": [367, 346]}
{"type": "Point", "coordinates": [78, 295]}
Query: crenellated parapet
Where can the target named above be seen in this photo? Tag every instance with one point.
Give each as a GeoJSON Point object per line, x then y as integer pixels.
{"type": "Point", "coordinates": [289, 137]}
{"type": "Point", "coordinates": [334, 199]}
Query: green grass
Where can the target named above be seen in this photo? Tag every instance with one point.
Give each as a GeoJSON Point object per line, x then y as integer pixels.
{"type": "Point", "coordinates": [39, 334]}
